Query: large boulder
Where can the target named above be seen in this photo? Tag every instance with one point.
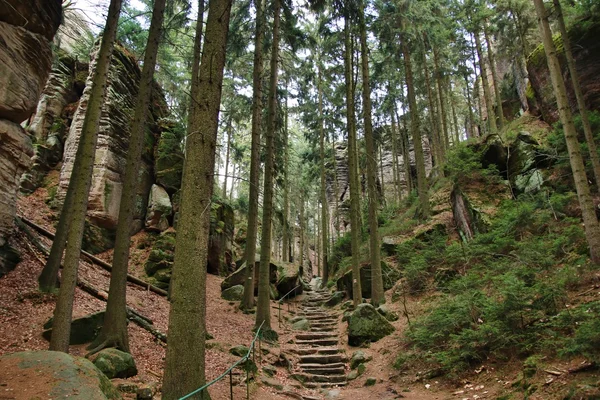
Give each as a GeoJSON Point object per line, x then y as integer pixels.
{"type": "Point", "coordinates": [113, 142]}
{"type": "Point", "coordinates": [159, 209]}
{"type": "Point", "coordinates": [390, 276]}
{"type": "Point", "coordinates": [37, 16]}
{"type": "Point", "coordinates": [239, 276]}
{"type": "Point", "coordinates": [289, 279]}
{"type": "Point", "coordinates": [220, 241]}
{"type": "Point", "coordinates": [83, 330]}
{"type": "Point", "coordinates": [367, 325]}
{"type": "Point", "coordinates": [234, 293]}
{"type": "Point", "coordinates": [115, 363]}
{"type": "Point", "coordinates": [55, 375]}
{"type": "Point", "coordinates": [168, 160]}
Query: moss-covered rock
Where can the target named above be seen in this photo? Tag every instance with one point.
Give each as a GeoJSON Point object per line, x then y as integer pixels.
{"type": "Point", "coordinates": [234, 293]}
{"type": "Point", "coordinates": [367, 325]}
{"type": "Point", "coordinates": [239, 350]}
{"type": "Point", "coordinates": [161, 256]}
{"type": "Point", "coordinates": [301, 325]}
{"type": "Point", "coordinates": [56, 375]}
{"type": "Point", "coordinates": [239, 276]}
{"type": "Point", "coordinates": [390, 276]}
{"type": "Point", "coordinates": [115, 363]}
{"type": "Point", "coordinates": [335, 299]}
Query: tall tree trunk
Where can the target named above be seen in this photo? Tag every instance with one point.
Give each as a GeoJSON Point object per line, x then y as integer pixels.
{"type": "Point", "coordinates": [317, 252]}
{"type": "Point", "coordinates": [233, 180]}
{"type": "Point", "coordinates": [79, 185]}
{"type": "Point", "coordinates": [377, 294]}
{"type": "Point", "coordinates": [324, 208]}
{"type": "Point", "coordinates": [587, 129]}
{"type": "Point", "coordinates": [416, 134]}
{"type": "Point", "coordinates": [352, 167]}
{"type": "Point", "coordinates": [454, 117]}
{"type": "Point", "coordinates": [592, 229]}
{"type": "Point", "coordinates": [252, 231]}
{"type": "Point", "coordinates": [285, 240]}
{"type": "Point", "coordinates": [228, 148]}
{"type": "Point", "coordinates": [301, 221]}
{"type": "Point", "coordinates": [395, 166]}
{"type": "Point", "coordinates": [336, 189]}
{"type": "Point", "coordinates": [471, 129]}
{"type": "Point", "coordinates": [263, 309]}
{"type": "Point", "coordinates": [434, 118]}
{"type": "Point", "coordinates": [114, 328]}
{"type": "Point", "coordinates": [495, 79]}
{"type": "Point", "coordinates": [445, 140]}
{"type": "Point", "coordinates": [486, 86]}
{"type": "Point", "coordinates": [185, 362]}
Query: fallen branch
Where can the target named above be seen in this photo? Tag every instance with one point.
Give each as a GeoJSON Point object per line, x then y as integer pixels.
{"type": "Point", "coordinates": [95, 260]}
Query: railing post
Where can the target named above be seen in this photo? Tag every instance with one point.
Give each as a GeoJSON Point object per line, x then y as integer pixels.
{"type": "Point", "coordinates": [231, 384]}
{"type": "Point", "coordinates": [247, 384]}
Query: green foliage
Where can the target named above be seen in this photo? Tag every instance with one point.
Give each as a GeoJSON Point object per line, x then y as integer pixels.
{"type": "Point", "coordinates": [504, 293]}
{"type": "Point", "coordinates": [341, 249]}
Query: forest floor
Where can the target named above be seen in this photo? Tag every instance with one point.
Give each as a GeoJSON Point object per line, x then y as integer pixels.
{"type": "Point", "coordinates": [23, 311]}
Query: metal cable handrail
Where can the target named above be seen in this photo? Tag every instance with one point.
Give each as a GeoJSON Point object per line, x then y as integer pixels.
{"type": "Point", "coordinates": [229, 370]}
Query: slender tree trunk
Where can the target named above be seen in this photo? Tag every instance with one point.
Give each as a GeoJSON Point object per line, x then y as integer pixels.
{"type": "Point", "coordinates": [324, 207]}
{"type": "Point", "coordinates": [445, 140]}
{"type": "Point", "coordinates": [228, 148]}
{"type": "Point", "coordinates": [592, 229]}
{"type": "Point", "coordinates": [587, 129]}
{"type": "Point", "coordinates": [454, 117]}
{"type": "Point", "coordinates": [377, 294]}
{"type": "Point", "coordinates": [301, 218]}
{"type": "Point", "coordinates": [352, 167]}
{"type": "Point", "coordinates": [252, 231]}
{"type": "Point", "coordinates": [114, 329]}
{"type": "Point", "coordinates": [185, 362]}
{"type": "Point", "coordinates": [405, 150]}
{"type": "Point", "coordinates": [263, 309]}
{"type": "Point", "coordinates": [495, 79]}
{"type": "Point", "coordinates": [395, 166]}
{"type": "Point", "coordinates": [471, 130]}
{"type": "Point", "coordinates": [317, 253]}
{"type": "Point", "coordinates": [233, 179]}
{"type": "Point", "coordinates": [416, 134]}
{"type": "Point", "coordinates": [486, 86]}
{"type": "Point", "coordinates": [434, 118]}
{"type": "Point", "coordinates": [79, 185]}
{"type": "Point", "coordinates": [336, 189]}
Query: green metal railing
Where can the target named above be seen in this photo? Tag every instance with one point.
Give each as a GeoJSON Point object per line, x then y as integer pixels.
{"type": "Point", "coordinates": [280, 302]}
{"type": "Point", "coordinates": [229, 370]}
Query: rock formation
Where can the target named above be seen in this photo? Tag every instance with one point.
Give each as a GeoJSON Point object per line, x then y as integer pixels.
{"type": "Point", "coordinates": [26, 31]}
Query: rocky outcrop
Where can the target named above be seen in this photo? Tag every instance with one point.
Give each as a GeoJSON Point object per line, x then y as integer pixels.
{"type": "Point", "coordinates": [113, 137]}
{"type": "Point", "coordinates": [220, 240]}
{"type": "Point", "coordinates": [83, 330]}
{"type": "Point", "coordinates": [115, 363]}
{"type": "Point", "coordinates": [159, 209]}
{"type": "Point", "coordinates": [239, 276]}
{"type": "Point", "coordinates": [339, 201]}
{"type": "Point", "coordinates": [586, 51]}
{"type": "Point", "coordinates": [53, 374]}
{"type": "Point", "coordinates": [26, 30]}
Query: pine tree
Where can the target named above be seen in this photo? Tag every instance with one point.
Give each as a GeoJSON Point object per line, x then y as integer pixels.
{"type": "Point", "coordinates": [75, 206]}
{"type": "Point", "coordinates": [185, 362]}
{"type": "Point", "coordinates": [114, 328]}
{"type": "Point", "coordinates": [592, 229]}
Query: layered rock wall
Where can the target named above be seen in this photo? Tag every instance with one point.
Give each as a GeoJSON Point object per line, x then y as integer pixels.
{"type": "Point", "coordinates": [26, 31]}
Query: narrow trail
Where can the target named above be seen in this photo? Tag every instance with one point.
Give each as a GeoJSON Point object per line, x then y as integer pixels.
{"type": "Point", "coordinates": [321, 361]}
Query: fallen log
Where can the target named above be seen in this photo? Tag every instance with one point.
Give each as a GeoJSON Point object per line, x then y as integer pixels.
{"type": "Point", "coordinates": [95, 260]}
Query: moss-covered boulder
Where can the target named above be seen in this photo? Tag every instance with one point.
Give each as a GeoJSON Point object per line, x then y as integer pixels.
{"type": "Point", "coordinates": [301, 325]}
{"type": "Point", "coordinates": [159, 209]}
{"type": "Point", "coordinates": [115, 363]}
{"type": "Point", "coordinates": [239, 350]}
{"type": "Point", "coordinates": [390, 276]}
{"type": "Point", "coordinates": [168, 158]}
{"type": "Point", "coordinates": [367, 325]}
{"type": "Point", "coordinates": [55, 375]}
{"type": "Point", "coordinates": [335, 299]}
{"type": "Point", "coordinates": [220, 241]}
{"type": "Point", "coordinates": [83, 330]}
{"type": "Point", "coordinates": [289, 280]}
{"type": "Point", "coordinates": [234, 293]}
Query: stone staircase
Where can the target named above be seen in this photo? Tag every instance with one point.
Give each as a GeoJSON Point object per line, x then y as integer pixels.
{"type": "Point", "coordinates": [321, 362]}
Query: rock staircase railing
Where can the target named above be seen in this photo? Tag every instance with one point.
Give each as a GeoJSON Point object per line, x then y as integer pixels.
{"type": "Point", "coordinates": [290, 305]}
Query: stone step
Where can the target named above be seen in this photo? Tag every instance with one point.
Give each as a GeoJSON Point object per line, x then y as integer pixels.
{"type": "Point", "coordinates": [322, 318]}
{"type": "Point", "coordinates": [315, 336]}
{"type": "Point", "coordinates": [318, 342]}
{"type": "Point", "coordinates": [322, 358]}
{"type": "Point", "coordinates": [319, 378]}
{"type": "Point", "coordinates": [316, 350]}
{"type": "Point", "coordinates": [324, 369]}
{"type": "Point", "coordinates": [320, 329]}
{"type": "Point", "coordinates": [317, 385]}
{"type": "Point", "coordinates": [324, 323]}
{"type": "Point", "coordinates": [316, 365]}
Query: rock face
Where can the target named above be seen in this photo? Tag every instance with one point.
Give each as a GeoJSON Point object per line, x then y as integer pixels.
{"type": "Point", "coordinates": [367, 325]}
{"type": "Point", "coordinates": [234, 293]}
{"type": "Point", "coordinates": [53, 374]}
{"type": "Point", "coordinates": [26, 30]}
{"type": "Point", "coordinates": [238, 277]}
{"type": "Point", "coordinates": [586, 51]}
{"type": "Point", "coordinates": [111, 151]}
